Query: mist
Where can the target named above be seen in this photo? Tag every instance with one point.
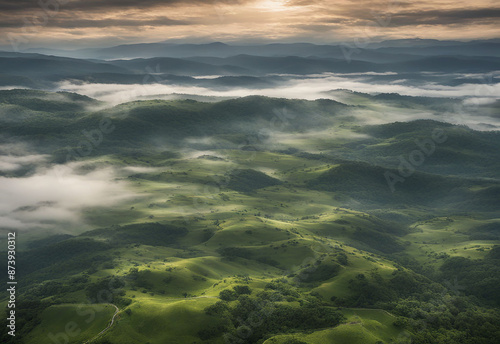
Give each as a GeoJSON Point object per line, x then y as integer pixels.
{"type": "Point", "coordinates": [309, 87]}
{"type": "Point", "coordinates": [55, 197]}
{"type": "Point", "coordinates": [322, 86]}
{"type": "Point", "coordinates": [12, 163]}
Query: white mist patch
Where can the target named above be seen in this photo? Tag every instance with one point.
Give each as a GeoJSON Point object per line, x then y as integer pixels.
{"type": "Point", "coordinates": [194, 154]}
{"type": "Point", "coordinates": [381, 114]}
{"type": "Point", "coordinates": [141, 169]}
{"type": "Point", "coordinates": [271, 172]}
{"type": "Point", "coordinates": [17, 148]}
{"type": "Point", "coordinates": [312, 87]}
{"type": "Point", "coordinates": [56, 197]}
{"type": "Point", "coordinates": [479, 101]}
{"type": "Point", "coordinates": [313, 141]}
{"type": "Point", "coordinates": [196, 146]}
{"type": "Point", "coordinates": [286, 138]}
{"type": "Point", "coordinates": [206, 140]}
{"type": "Point", "coordinates": [119, 93]}
{"type": "Point", "coordinates": [13, 87]}
{"type": "Point", "coordinates": [304, 87]}
{"type": "Point", "coordinates": [10, 163]}
{"type": "Point", "coordinates": [207, 77]}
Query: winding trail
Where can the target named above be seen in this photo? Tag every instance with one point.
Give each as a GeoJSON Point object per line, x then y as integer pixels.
{"type": "Point", "coordinates": [117, 310]}
{"type": "Point", "coordinates": [107, 328]}
{"type": "Point", "coordinates": [194, 297]}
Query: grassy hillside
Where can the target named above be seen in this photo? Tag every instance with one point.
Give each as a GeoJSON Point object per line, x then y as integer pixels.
{"type": "Point", "coordinates": [257, 220]}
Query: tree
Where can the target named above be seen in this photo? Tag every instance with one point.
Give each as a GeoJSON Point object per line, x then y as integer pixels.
{"type": "Point", "coordinates": [242, 289]}
{"type": "Point", "coordinates": [228, 295]}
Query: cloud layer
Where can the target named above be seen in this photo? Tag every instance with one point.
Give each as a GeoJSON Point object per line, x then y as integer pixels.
{"type": "Point", "coordinates": [77, 23]}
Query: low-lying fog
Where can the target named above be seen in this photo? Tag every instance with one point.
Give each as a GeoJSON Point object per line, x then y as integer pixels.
{"type": "Point", "coordinates": [48, 196]}
{"type": "Point", "coordinates": [309, 87]}
{"type": "Point", "coordinates": [477, 90]}
{"type": "Point", "coordinates": [55, 196]}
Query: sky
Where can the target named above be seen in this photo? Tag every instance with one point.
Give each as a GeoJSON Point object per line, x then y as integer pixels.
{"type": "Point", "coordinates": [75, 24]}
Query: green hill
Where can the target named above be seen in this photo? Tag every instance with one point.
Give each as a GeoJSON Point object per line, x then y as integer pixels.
{"type": "Point", "coordinates": [252, 220]}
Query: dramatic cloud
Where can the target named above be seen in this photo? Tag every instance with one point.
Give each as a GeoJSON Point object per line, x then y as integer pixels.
{"type": "Point", "coordinates": [103, 23]}
{"type": "Point", "coordinates": [82, 5]}
{"type": "Point", "coordinates": [453, 17]}
{"type": "Point", "coordinates": [78, 23]}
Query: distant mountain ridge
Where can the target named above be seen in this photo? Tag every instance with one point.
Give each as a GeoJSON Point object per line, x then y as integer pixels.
{"type": "Point", "coordinates": [44, 71]}
{"type": "Point", "coordinates": [369, 52]}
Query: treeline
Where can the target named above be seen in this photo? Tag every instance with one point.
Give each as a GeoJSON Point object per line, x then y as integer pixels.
{"type": "Point", "coordinates": [479, 278]}
{"type": "Point", "coordinates": [449, 312]}
{"type": "Point", "coordinates": [253, 319]}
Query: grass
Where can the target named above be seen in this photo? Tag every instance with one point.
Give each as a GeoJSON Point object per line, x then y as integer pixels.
{"type": "Point", "coordinates": [363, 326]}
{"type": "Point", "coordinates": [288, 223]}
{"type": "Point", "coordinates": [159, 322]}
{"type": "Point", "coordinates": [75, 323]}
{"type": "Point", "coordinates": [280, 222]}
{"type": "Point", "coordinates": [433, 239]}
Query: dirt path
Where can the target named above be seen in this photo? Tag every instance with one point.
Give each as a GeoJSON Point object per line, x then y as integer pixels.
{"type": "Point", "coordinates": [194, 297]}
{"type": "Point", "coordinates": [107, 328]}
{"type": "Point", "coordinates": [117, 310]}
